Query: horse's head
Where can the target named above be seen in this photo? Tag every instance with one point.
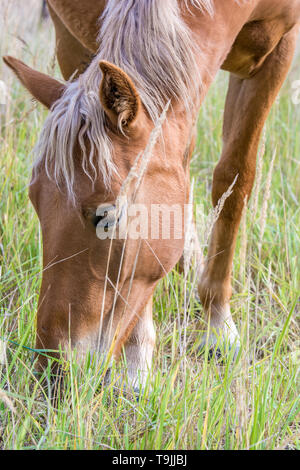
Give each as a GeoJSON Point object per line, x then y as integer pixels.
{"type": "Point", "coordinates": [96, 286]}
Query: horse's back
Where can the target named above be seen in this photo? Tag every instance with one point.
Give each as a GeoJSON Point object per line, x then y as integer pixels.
{"type": "Point", "coordinates": [77, 26]}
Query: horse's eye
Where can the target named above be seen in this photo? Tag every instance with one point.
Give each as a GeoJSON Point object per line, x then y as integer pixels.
{"type": "Point", "coordinates": [96, 219]}
{"type": "Point", "coordinates": [105, 217]}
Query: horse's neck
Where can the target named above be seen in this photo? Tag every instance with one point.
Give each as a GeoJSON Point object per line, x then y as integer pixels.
{"type": "Point", "coordinates": [214, 36]}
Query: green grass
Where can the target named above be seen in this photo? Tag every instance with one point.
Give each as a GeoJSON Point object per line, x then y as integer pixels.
{"type": "Point", "coordinates": [188, 403]}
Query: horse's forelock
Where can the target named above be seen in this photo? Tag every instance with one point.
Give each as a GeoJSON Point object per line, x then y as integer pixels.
{"type": "Point", "coordinates": [150, 42]}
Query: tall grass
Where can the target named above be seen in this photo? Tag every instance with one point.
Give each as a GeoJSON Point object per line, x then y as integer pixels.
{"type": "Point", "coordinates": [188, 403]}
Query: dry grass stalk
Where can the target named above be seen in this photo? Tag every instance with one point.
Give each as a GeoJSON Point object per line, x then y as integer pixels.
{"type": "Point", "coordinates": [259, 172]}
{"type": "Point", "coordinates": [141, 163]}
{"type": "Point", "coordinates": [7, 401]}
{"type": "Point", "coordinates": [215, 213]}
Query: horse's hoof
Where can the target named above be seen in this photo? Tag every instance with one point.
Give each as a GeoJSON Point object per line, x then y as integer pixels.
{"type": "Point", "coordinates": [137, 394]}
{"type": "Point", "coordinates": [222, 356]}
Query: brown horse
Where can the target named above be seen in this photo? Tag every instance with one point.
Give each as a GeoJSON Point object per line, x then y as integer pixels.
{"type": "Point", "coordinates": [98, 292]}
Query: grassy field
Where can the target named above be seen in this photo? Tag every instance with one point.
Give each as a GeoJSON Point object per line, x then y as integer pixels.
{"type": "Point", "coordinates": [188, 403]}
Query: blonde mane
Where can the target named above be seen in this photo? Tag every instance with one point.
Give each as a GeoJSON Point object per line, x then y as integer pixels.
{"type": "Point", "coordinates": [147, 39]}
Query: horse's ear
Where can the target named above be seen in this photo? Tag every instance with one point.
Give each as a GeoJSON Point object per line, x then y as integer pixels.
{"type": "Point", "coordinates": [45, 89]}
{"type": "Point", "coordinates": [118, 96]}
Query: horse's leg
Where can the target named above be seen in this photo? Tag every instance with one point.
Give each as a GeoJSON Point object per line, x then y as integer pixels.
{"type": "Point", "coordinates": [81, 19]}
{"type": "Point", "coordinates": [73, 58]}
{"type": "Point", "coordinates": [247, 107]}
{"type": "Point", "coordinates": [139, 348]}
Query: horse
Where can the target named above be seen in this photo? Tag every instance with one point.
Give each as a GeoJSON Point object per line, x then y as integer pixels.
{"type": "Point", "coordinates": [135, 68]}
